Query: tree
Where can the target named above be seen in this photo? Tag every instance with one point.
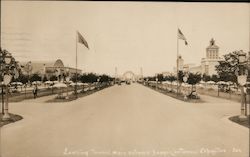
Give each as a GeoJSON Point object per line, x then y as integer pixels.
{"type": "Point", "coordinates": [45, 78]}
{"type": "Point", "coordinates": [160, 77]}
{"type": "Point", "coordinates": [150, 78]}
{"type": "Point", "coordinates": [89, 78]}
{"type": "Point", "coordinates": [226, 68]}
{"type": "Point", "coordinates": [215, 78]}
{"type": "Point", "coordinates": [53, 78]}
{"type": "Point", "coordinates": [105, 78]}
{"type": "Point", "coordinates": [180, 76]}
{"type": "Point", "coordinates": [206, 78]}
{"type": "Point", "coordinates": [171, 78]}
{"type": "Point", "coordinates": [193, 79]}
{"type": "Point", "coordinates": [35, 77]}
{"type": "Point", "coordinates": [22, 78]}
{"type": "Point", "coordinates": [73, 78]}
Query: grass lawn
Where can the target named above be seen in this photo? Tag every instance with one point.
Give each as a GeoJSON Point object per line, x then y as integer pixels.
{"type": "Point", "coordinates": [72, 96]}
{"type": "Point", "coordinates": [174, 95]}
{"type": "Point", "coordinates": [245, 122]}
{"type": "Point", "coordinates": [13, 118]}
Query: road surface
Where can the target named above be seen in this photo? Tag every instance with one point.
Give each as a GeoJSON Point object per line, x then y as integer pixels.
{"type": "Point", "coordinates": [128, 120]}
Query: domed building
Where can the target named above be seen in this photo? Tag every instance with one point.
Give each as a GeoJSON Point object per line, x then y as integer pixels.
{"type": "Point", "coordinates": [48, 69]}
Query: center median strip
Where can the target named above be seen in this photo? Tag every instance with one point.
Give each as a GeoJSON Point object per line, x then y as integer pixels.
{"type": "Point", "coordinates": [20, 96]}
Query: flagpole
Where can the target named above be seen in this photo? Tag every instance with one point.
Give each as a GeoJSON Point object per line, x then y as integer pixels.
{"type": "Point", "coordinates": [76, 66]}
{"type": "Point", "coordinates": [177, 65]}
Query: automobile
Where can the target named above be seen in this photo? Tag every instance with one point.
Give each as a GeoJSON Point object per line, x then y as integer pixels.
{"type": "Point", "coordinates": [119, 83]}
{"type": "Point", "coordinates": [128, 82]}
{"type": "Point", "coordinates": [193, 95]}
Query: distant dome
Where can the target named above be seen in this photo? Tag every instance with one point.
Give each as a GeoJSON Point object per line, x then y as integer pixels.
{"type": "Point", "coordinates": [58, 63]}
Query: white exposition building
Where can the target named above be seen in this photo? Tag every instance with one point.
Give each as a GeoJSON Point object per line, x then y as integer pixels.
{"type": "Point", "coordinates": [48, 69]}
{"type": "Point", "coordinates": [208, 63]}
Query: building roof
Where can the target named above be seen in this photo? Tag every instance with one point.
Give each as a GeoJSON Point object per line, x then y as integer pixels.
{"type": "Point", "coordinates": [37, 66]}
{"type": "Point", "coordinates": [58, 63]}
{"type": "Point", "coordinates": [40, 66]}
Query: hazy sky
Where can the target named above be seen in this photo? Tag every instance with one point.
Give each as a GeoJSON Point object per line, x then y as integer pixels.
{"type": "Point", "coordinates": [126, 35]}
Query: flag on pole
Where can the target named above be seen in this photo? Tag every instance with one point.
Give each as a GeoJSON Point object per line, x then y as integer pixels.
{"type": "Point", "coordinates": [181, 36]}
{"type": "Point", "coordinates": [82, 40]}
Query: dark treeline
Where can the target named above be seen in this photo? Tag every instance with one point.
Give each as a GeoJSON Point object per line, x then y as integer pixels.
{"type": "Point", "coordinates": [84, 78]}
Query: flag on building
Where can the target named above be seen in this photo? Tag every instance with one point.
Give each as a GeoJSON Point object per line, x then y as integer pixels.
{"type": "Point", "coordinates": [182, 37]}
{"type": "Point", "coordinates": [82, 40]}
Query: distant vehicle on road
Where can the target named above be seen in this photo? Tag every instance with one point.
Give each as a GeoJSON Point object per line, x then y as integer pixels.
{"type": "Point", "coordinates": [128, 82]}
{"type": "Point", "coordinates": [119, 83]}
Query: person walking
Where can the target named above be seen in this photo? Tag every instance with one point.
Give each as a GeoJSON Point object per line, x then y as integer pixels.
{"type": "Point", "coordinates": [35, 90]}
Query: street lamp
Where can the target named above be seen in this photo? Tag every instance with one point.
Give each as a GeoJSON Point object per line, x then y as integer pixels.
{"type": "Point", "coordinates": [7, 79]}
{"type": "Point", "coordinates": [241, 72]}
{"type": "Point", "coordinates": [185, 78]}
{"type": "Point", "coordinates": [8, 68]}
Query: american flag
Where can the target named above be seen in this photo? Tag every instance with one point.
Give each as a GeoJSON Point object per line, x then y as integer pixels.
{"type": "Point", "coordinates": [82, 40]}
{"type": "Point", "coordinates": [181, 36]}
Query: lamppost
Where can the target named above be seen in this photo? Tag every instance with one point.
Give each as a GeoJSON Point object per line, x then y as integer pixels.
{"type": "Point", "coordinates": [185, 78]}
{"type": "Point", "coordinates": [8, 69]}
{"type": "Point", "coordinates": [241, 73]}
{"type": "Point", "coordinates": [7, 79]}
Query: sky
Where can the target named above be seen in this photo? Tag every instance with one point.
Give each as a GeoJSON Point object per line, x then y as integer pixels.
{"type": "Point", "coordinates": [126, 35]}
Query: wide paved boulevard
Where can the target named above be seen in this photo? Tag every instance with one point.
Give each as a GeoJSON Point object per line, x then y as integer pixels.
{"type": "Point", "coordinates": [128, 120]}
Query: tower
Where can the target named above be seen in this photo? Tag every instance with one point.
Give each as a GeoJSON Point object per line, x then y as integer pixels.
{"type": "Point", "coordinates": [208, 64]}
{"type": "Point", "coordinates": [212, 51]}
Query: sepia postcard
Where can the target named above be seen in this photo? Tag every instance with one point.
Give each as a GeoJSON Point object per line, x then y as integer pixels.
{"type": "Point", "coordinates": [124, 79]}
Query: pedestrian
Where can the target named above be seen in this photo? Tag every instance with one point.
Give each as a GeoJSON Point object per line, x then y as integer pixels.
{"type": "Point", "coordinates": [35, 90]}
